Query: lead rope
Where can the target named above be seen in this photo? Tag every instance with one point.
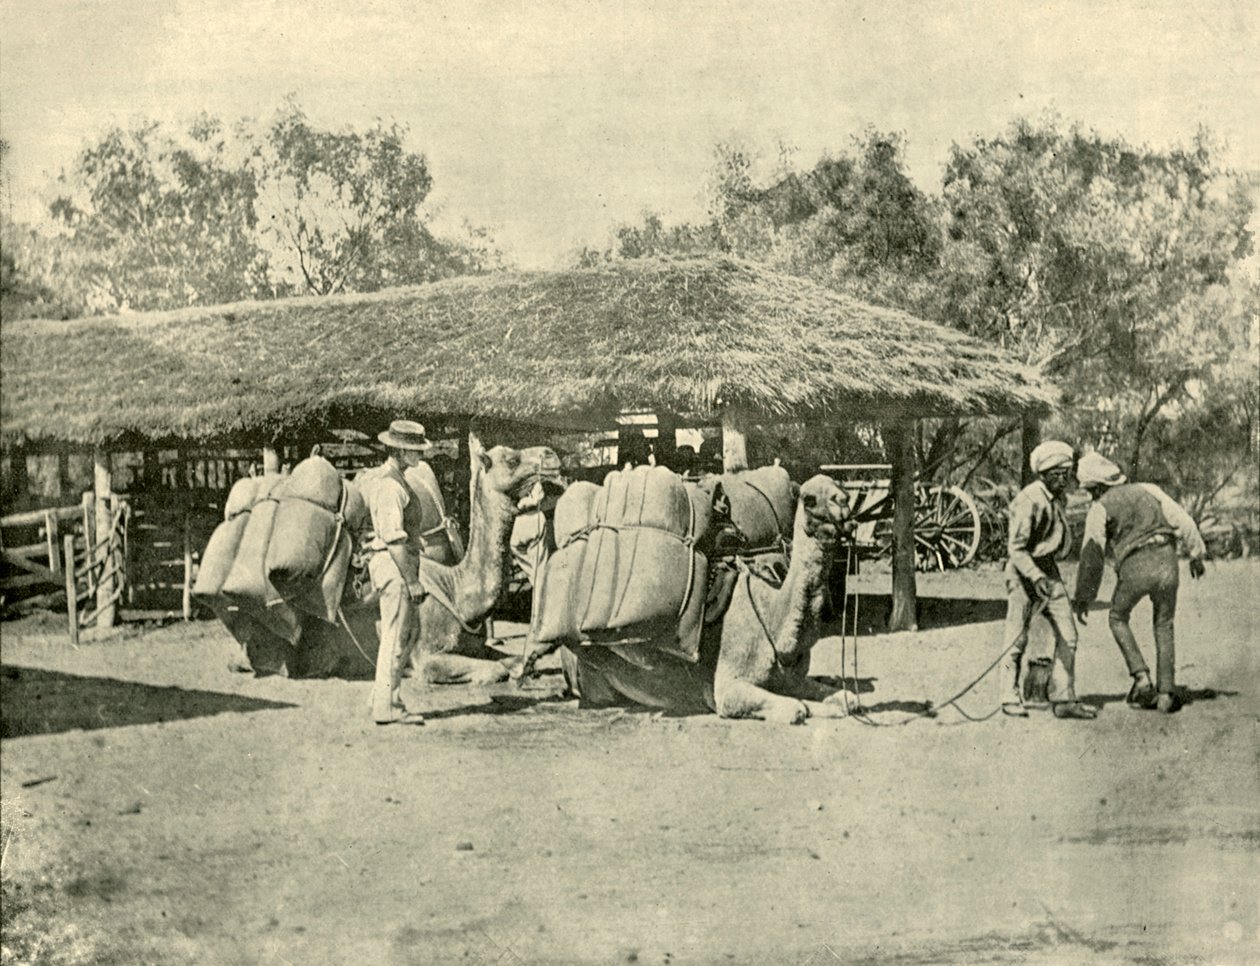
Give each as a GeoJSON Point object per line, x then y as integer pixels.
{"type": "Point", "coordinates": [862, 716]}
{"type": "Point", "coordinates": [354, 640]}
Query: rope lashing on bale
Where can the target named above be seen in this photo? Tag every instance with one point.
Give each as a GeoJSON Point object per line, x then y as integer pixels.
{"type": "Point", "coordinates": [586, 531]}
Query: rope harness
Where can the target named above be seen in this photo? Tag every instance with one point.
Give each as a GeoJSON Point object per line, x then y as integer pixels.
{"type": "Point", "coordinates": [341, 616]}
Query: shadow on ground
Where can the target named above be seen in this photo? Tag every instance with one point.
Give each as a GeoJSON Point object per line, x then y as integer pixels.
{"type": "Point", "coordinates": [873, 611]}
{"type": "Point", "coordinates": [39, 702]}
{"type": "Point", "coordinates": [1187, 696]}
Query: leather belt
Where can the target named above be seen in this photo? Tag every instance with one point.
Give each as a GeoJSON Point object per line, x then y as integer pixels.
{"type": "Point", "coordinates": [1159, 540]}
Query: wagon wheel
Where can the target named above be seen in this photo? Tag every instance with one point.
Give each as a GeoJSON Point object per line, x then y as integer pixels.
{"type": "Point", "coordinates": [946, 528]}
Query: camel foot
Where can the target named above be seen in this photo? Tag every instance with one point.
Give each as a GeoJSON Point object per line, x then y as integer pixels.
{"type": "Point", "coordinates": [787, 711]}
{"type": "Point", "coordinates": [494, 674]}
{"type": "Point", "coordinates": [839, 705]}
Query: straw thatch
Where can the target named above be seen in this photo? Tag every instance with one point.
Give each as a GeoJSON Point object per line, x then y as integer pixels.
{"type": "Point", "coordinates": [689, 337]}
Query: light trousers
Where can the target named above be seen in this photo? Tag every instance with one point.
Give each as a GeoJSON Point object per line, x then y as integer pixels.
{"type": "Point", "coordinates": [398, 632]}
{"type": "Point", "coordinates": [1022, 607]}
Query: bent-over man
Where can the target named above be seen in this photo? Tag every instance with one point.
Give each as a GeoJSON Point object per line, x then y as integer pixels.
{"type": "Point", "coordinates": [1140, 524]}
{"type": "Point", "coordinates": [1038, 537]}
{"type": "Point", "coordinates": [394, 549]}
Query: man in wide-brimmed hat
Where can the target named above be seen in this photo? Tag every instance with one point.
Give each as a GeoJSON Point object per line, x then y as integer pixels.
{"type": "Point", "coordinates": [1140, 524]}
{"type": "Point", "coordinates": [1038, 537]}
{"type": "Point", "coordinates": [395, 546]}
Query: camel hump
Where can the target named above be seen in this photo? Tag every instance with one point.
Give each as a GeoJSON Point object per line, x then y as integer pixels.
{"type": "Point", "coordinates": [627, 570]}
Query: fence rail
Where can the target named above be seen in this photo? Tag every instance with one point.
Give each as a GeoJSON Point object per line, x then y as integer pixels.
{"type": "Point", "coordinates": [91, 570]}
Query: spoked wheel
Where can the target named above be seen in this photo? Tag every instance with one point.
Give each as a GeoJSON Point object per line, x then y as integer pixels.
{"type": "Point", "coordinates": [946, 528]}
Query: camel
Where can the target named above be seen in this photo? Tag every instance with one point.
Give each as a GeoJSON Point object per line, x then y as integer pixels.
{"type": "Point", "coordinates": [754, 660]}
{"type": "Point", "coordinates": [767, 633]}
{"type": "Point", "coordinates": [461, 596]}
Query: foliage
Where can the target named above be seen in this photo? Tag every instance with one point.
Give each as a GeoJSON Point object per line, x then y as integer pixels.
{"type": "Point", "coordinates": [854, 222]}
{"type": "Point", "coordinates": [160, 219]}
{"type": "Point", "coordinates": [343, 211]}
{"type": "Point", "coordinates": [1206, 450]}
{"type": "Point", "coordinates": [1103, 265]}
{"type": "Point", "coordinates": [43, 276]}
{"type": "Point", "coordinates": [154, 216]}
{"type": "Point", "coordinates": [1108, 267]}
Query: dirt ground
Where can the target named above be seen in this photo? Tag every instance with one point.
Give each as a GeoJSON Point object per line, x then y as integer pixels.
{"type": "Point", "coordinates": [161, 809]}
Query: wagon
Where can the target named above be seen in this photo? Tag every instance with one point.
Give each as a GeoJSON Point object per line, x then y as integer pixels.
{"type": "Point", "coordinates": [947, 522]}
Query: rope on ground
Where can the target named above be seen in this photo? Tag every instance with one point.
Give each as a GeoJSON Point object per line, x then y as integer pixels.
{"type": "Point", "coordinates": [862, 715]}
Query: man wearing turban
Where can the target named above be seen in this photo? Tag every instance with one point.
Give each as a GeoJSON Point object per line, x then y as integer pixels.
{"type": "Point", "coordinates": [1140, 524]}
{"type": "Point", "coordinates": [1038, 537]}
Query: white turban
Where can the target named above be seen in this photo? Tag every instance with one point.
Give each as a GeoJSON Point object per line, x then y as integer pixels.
{"type": "Point", "coordinates": [1049, 455]}
{"type": "Point", "coordinates": [1095, 469]}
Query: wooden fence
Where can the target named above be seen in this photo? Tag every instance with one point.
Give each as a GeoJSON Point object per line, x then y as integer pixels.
{"type": "Point", "coordinates": [70, 556]}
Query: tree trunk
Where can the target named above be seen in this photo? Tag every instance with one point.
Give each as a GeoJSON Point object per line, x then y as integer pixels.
{"type": "Point", "coordinates": [1029, 439]}
{"type": "Point", "coordinates": [899, 437]}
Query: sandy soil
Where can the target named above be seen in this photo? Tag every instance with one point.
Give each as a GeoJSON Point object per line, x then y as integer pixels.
{"type": "Point", "coordinates": [160, 809]}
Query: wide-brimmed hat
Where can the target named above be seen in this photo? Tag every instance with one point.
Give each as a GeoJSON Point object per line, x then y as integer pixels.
{"type": "Point", "coordinates": [405, 434]}
{"type": "Point", "coordinates": [1096, 470]}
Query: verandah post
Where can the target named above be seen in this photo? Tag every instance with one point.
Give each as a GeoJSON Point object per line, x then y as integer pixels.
{"type": "Point", "coordinates": [899, 438]}
{"type": "Point", "coordinates": [734, 442]}
{"type": "Point", "coordinates": [103, 488]}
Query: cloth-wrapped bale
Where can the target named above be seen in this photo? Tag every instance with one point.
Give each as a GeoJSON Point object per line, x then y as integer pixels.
{"type": "Point", "coordinates": [247, 586]}
{"type": "Point", "coordinates": [308, 555]}
{"type": "Point", "coordinates": [627, 571]}
{"type": "Point", "coordinates": [220, 552]}
{"type": "Point", "coordinates": [265, 637]}
{"type": "Point", "coordinates": [761, 508]}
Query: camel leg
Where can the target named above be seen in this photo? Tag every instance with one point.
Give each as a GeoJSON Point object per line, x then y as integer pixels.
{"type": "Point", "coordinates": [458, 669]}
{"type": "Point", "coordinates": [449, 655]}
{"type": "Point", "coordinates": [822, 700]}
{"type": "Point", "coordinates": [535, 653]}
{"type": "Point", "coordinates": [741, 699]}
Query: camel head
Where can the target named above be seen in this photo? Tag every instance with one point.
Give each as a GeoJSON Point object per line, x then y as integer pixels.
{"type": "Point", "coordinates": [823, 511]}
{"type": "Point", "coordinates": [518, 474]}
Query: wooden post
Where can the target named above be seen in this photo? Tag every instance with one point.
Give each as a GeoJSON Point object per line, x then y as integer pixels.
{"type": "Point", "coordinates": [89, 523]}
{"type": "Point", "coordinates": [188, 568]}
{"type": "Point", "coordinates": [271, 459]}
{"type": "Point", "coordinates": [53, 541]}
{"type": "Point", "coordinates": [899, 437]}
{"type": "Point", "coordinates": [103, 486]}
{"type": "Point", "coordinates": [72, 589]}
{"type": "Point", "coordinates": [734, 443]}
{"type": "Point", "coordinates": [1029, 438]}
{"type": "Point", "coordinates": [666, 440]}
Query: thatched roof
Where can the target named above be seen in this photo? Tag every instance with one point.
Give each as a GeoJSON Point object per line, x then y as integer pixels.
{"type": "Point", "coordinates": [688, 336]}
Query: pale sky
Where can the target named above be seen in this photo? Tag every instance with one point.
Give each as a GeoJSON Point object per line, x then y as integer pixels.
{"type": "Point", "coordinates": [549, 122]}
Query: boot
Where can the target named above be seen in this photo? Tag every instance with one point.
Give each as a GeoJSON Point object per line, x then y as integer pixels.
{"type": "Point", "coordinates": [1074, 709]}
{"type": "Point", "coordinates": [1142, 694]}
{"type": "Point", "coordinates": [1037, 684]}
{"type": "Point", "coordinates": [1168, 703]}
